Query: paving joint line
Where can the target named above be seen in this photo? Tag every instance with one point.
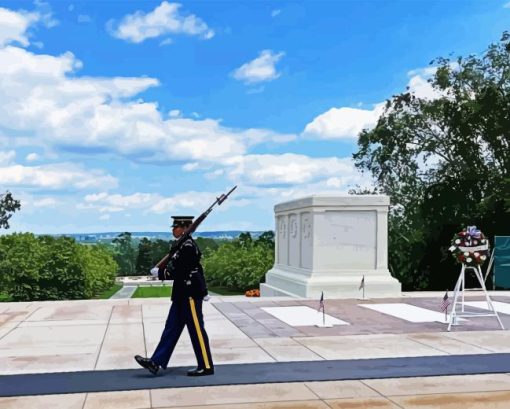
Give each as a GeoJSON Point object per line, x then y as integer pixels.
{"type": "Point", "coordinates": [143, 330]}
{"type": "Point", "coordinates": [380, 393]}
{"type": "Point", "coordinates": [311, 390]}
{"type": "Point", "coordinates": [85, 400]}
{"type": "Point", "coordinates": [264, 349]}
{"type": "Point", "coordinates": [326, 403]}
{"type": "Point", "coordinates": [429, 346]}
{"type": "Point", "coordinates": [469, 343]}
{"type": "Point", "coordinates": [104, 336]}
{"type": "Point", "coordinates": [311, 350]}
{"type": "Point", "coordinates": [18, 324]}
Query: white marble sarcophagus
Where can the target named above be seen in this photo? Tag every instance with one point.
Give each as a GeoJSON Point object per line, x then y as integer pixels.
{"type": "Point", "coordinates": [328, 243]}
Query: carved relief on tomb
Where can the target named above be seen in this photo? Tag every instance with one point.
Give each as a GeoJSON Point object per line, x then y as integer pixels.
{"type": "Point", "coordinates": [306, 226]}
{"type": "Point", "coordinates": [293, 226]}
{"type": "Point", "coordinates": [282, 227]}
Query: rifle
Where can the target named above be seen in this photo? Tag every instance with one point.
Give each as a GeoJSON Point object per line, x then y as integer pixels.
{"type": "Point", "coordinates": [162, 264]}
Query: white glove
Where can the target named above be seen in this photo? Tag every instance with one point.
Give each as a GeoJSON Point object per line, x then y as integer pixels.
{"type": "Point", "coordinates": [207, 298]}
{"type": "Point", "coordinates": [155, 271]}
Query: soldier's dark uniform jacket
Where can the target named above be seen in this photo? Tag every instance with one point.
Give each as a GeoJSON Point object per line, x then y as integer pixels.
{"type": "Point", "coordinates": [187, 272]}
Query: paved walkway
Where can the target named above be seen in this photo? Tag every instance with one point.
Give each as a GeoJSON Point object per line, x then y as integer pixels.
{"type": "Point", "coordinates": [125, 292]}
{"type": "Point", "coordinates": [103, 335]}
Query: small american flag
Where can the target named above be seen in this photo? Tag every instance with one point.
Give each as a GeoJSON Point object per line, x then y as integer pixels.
{"type": "Point", "coordinates": [362, 284]}
{"type": "Point", "coordinates": [445, 302]}
{"type": "Point", "coordinates": [321, 302]}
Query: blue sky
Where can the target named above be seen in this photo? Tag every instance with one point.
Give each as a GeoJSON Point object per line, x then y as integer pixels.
{"type": "Point", "coordinates": [118, 114]}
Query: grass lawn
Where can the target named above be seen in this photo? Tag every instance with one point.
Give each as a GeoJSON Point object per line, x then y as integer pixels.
{"type": "Point", "coordinates": [109, 292]}
{"type": "Point", "coordinates": [149, 292]}
{"type": "Point", "coordinates": [224, 291]}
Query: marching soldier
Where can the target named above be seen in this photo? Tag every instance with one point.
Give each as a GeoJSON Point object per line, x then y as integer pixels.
{"type": "Point", "coordinates": [189, 290]}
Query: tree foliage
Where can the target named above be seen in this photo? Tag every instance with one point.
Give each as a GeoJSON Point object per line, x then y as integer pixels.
{"type": "Point", "coordinates": [125, 254]}
{"type": "Point", "coordinates": [444, 162]}
{"type": "Point", "coordinates": [240, 264]}
{"type": "Point", "coordinates": [8, 205]}
{"type": "Point", "coordinates": [144, 259]}
{"type": "Point", "coordinates": [49, 268]}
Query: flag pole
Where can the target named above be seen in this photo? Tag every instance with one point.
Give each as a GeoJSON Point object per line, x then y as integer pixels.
{"type": "Point", "coordinates": [446, 309]}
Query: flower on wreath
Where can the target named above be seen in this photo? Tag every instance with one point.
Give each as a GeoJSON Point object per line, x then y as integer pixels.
{"type": "Point", "coordinates": [470, 247]}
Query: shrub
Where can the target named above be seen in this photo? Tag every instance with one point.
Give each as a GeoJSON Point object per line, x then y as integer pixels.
{"type": "Point", "coordinates": [48, 268]}
{"type": "Point", "coordinates": [240, 264]}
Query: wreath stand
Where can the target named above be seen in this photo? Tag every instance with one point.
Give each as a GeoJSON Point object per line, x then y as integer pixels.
{"type": "Point", "coordinates": [460, 289]}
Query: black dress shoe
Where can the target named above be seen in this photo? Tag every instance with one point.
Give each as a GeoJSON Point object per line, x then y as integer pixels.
{"type": "Point", "coordinates": [148, 364]}
{"type": "Point", "coordinates": [201, 372]}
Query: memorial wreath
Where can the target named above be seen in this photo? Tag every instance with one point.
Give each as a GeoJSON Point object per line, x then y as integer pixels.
{"type": "Point", "coordinates": [470, 247]}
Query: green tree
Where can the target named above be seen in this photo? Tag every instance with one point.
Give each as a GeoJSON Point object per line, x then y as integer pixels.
{"type": "Point", "coordinates": [8, 205]}
{"type": "Point", "coordinates": [266, 239]}
{"type": "Point", "coordinates": [125, 254]}
{"type": "Point", "coordinates": [20, 258]}
{"type": "Point", "coordinates": [49, 268]}
{"type": "Point", "coordinates": [444, 162]}
{"type": "Point", "coordinates": [100, 268]}
{"type": "Point", "coordinates": [240, 264]}
{"type": "Point", "coordinates": [244, 240]}
{"type": "Point", "coordinates": [144, 258]}
{"type": "Point", "coordinates": [205, 243]}
{"type": "Point", "coordinates": [159, 249]}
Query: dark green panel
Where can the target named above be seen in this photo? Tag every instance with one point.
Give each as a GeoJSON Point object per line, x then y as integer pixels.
{"type": "Point", "coordinates": [502, 261]}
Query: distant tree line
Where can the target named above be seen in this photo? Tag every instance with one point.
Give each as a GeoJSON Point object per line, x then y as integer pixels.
{"type": "Point", "coordinates": [137, 257]}
{"type": "Point", "coordinates": [236, 264]}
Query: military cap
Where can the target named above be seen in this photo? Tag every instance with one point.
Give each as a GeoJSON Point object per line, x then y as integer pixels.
{"type": "Point", "coordinates": [182, 221]}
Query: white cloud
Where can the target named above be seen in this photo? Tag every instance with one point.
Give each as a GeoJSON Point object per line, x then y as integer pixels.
{"type": "Point", "coordinates": [507, 5]}
{"type": "Point", "coordinates": [164, 19]}
{"type": "Point", "coordinates": [105, 202]}
{"type": "Point", "coordinates": [43, 98]}
{"type": "Point", "coordinates": [189, 167]}
{"type": "Point", "coordinates": [347, 123]}
{"type": "Point", "coordinates": [260, 69]}
{"type": "Point", "coordinates": [166, 41]}
{"type": "Point", "coordinates": [191, 201]}
{"type": "Point", "coordinates": [289, 169]}
{"type": "Point", "coordinates": [14, 25]}
{"type": "Point", "coordinates": [175, 113]}
{"type": "Point", "coordinates": [340, 123]}
{"type": "Point", "coordinates": [59, 176]}
{"type": "Point", "coordinates": [215, 174]}
{"type": "Point", "coordinates": [7, 157]}
{"type": "Point", "coordinates": [275, 12]}
{"type": "Point", "coordinates": [45, 13]}
{"type": "Point", "coordinates": [31, 157]}
{"type": "Point", "coordinates": [420, 87]}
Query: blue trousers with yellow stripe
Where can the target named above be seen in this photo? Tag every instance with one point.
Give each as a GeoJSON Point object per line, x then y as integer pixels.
{"type": "Point", "coordinates": [184, 312]}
